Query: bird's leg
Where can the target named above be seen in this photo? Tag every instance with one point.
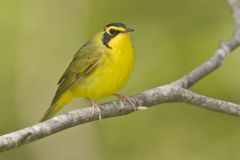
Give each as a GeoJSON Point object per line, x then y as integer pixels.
{"type": "Point", "coordinates": [96, 107]}
{"type": "Point", "coordinates": [123, 98]}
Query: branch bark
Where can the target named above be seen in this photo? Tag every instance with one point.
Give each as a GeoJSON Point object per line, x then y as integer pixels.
{"type": "Point", "coordinates": [173, 92]}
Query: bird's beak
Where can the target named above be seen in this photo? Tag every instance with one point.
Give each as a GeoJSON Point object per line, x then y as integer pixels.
{"type": "Point", "coordinates": [128, 30]}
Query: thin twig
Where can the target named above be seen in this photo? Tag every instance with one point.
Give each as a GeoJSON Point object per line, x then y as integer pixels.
{"type": "Point", "coordinates": [190, 97]}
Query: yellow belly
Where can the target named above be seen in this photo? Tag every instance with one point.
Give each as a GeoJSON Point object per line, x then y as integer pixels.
{"type": "Point", "coordinates": [111, 74]}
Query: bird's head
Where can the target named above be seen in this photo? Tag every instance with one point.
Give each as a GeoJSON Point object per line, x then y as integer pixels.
{"type": "Point", "coordinates": [115, 33]}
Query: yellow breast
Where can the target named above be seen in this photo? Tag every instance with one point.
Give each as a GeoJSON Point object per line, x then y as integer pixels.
{"type": "Point", "coordinates": [112, 72]}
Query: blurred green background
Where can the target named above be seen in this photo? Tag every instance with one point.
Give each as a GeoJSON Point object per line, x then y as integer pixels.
{"type": "Point", "coordinates": [39, 38]}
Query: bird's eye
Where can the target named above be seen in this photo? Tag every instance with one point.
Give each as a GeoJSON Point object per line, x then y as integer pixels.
{"type": "Point", "coordinates": [113, 32]}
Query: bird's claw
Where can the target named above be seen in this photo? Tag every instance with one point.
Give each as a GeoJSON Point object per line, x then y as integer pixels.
{"type": "Point", "coordinates": [124, 99]}
{"type": "Point", "coordinates": [97, 107]}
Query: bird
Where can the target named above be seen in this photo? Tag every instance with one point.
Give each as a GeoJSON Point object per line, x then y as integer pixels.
{"type": "Point", "coordinates": [100, 68]}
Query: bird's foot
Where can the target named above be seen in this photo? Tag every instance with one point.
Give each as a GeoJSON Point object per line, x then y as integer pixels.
{"type": "Point", "coordinates": [97, 107]}
{"type": "Point", "coordinates": [125, 99]}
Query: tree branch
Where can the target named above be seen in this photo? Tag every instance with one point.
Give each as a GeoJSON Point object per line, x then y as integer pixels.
{"type": "Point", "coordinates": [173, 92]}
{"type": "Point", "coordinates": [189, 97]}
{"type": "Point", "coordinates": [220, 54]}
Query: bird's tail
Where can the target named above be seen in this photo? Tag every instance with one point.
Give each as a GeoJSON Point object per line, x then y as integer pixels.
{"type": "Point", "coordinates": [55, 107]}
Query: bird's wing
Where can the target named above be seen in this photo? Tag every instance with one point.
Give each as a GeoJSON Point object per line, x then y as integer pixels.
{"type": "Point", "coordinates": [84, 62]}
